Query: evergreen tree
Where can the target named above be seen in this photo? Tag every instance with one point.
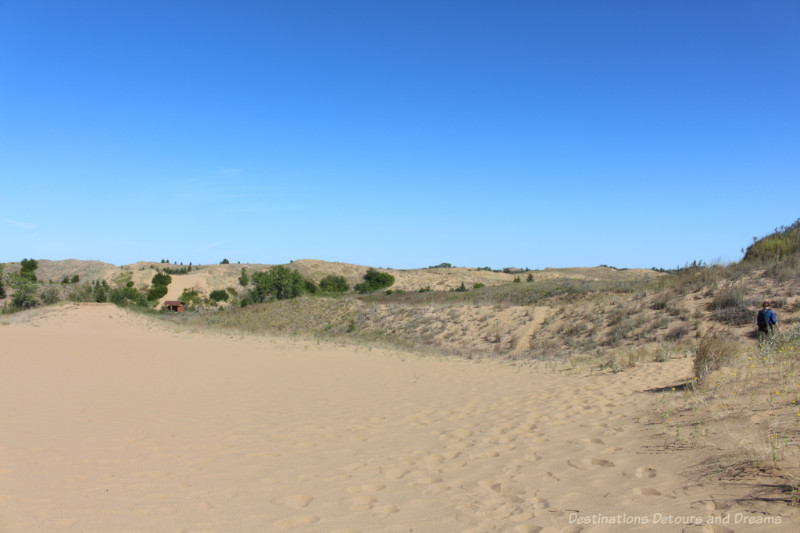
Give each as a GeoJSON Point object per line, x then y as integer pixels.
{"type": "Point", "coordinates": [27, 269]}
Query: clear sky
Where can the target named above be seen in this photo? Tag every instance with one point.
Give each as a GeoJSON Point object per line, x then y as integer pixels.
{"type": "Point", "coordinates": [398, 133]}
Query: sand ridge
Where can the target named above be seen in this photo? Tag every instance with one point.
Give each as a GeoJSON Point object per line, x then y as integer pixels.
{"type": "Point", "coordinates": [112, 423]}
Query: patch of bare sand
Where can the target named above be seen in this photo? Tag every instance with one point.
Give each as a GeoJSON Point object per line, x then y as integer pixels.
{"type": "Point", "coordinates": [111, 423]}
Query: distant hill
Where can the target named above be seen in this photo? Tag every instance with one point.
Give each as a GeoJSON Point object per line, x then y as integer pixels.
{"type": "Point", "coordinates": [207, 278]}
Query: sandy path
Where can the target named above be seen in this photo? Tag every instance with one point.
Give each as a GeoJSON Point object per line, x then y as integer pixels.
{"type": "Point", "coordinates": [112, 424]}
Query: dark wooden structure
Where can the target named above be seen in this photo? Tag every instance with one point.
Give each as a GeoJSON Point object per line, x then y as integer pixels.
{"type": "Point", "coordinates": [175, 305]}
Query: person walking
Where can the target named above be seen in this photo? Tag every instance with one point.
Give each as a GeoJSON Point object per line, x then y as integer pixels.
{"type": "Point", "coordinates": [766, 320]}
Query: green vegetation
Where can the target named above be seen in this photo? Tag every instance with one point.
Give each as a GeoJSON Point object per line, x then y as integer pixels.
{"type": "Point", "coordinates": [100, 291]}
{"type": "Point", "coordinates": [334, 284]}
{"type": "Point", "coordinates": [244, 279]}
{"type": "Point", "coordinates": [218, 295]}
{"type": "Point", "coordinates": [776, 246]}
{"type": "Point", "coordinates": [158, 286]}
{"type": "Point", "coordinates": [278, 283]}
{"type": "Point", "coordinates": [27, 269]}
{"type": "Point", "coordinates": [2, 284]}
{"type": "Point", "coordinates": [176, 271]}
{"type": "Point", "coordinates": [374, 281]}
{"type": "Point", "coordinates": [25, 293]}
{"type": "Point", "coordinates": [224, 262]}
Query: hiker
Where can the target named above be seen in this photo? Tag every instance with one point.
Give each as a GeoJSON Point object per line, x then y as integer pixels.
{"type": "Point", "coordinates": [766, 320]}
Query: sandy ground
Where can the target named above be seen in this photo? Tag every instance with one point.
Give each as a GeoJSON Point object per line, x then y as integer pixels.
{"type": "Point", "coordinates": [113, 424]}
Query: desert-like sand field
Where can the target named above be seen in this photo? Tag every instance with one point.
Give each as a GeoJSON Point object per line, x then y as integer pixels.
{"type": "Point", "coordinates": [111, 423]}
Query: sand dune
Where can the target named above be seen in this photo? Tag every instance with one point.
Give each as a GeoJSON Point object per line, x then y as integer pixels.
{"type": "Point", "coordinates": [111, 423]}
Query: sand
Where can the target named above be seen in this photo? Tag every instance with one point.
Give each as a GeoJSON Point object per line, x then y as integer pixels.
{"type": "Point", "coordinates": [111, 423]}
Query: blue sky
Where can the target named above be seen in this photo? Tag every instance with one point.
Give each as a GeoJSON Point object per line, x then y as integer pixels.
{"type": "Point", "coordinates": [398, 133]}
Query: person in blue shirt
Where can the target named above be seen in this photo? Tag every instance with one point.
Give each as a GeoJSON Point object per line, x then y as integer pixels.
{"type": "Point", "coordinates": [766, 320]}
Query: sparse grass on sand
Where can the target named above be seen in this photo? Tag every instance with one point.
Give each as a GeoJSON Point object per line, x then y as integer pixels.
{"type": "Point", "coordinates": [744, 404]}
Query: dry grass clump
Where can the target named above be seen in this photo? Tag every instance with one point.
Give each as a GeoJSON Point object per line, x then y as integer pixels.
{"type": "Point", "coordinates": [717, 348]}
{"type": "Point", "coordinates": [747, 411]}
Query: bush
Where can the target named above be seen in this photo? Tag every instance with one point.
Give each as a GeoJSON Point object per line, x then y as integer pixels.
{"type": "Point", "coordinates": [158, 287]}
{"type": "Point", "coordinates": [191, 297]}
{"type": "Point", "coordinates": [717, 348]}
{"type": "Point", "coordinates": [334, 284]}
{"type": "Point", "coordinates": [478, 286]}
{"type": "Point", "coordinates": [309, 286]}
{"type": "Point", "coordinates": [24, 296]}
{"type": "Point", "coordinates": [374, 280]}
{"type": "Point", "coordinates": [50, 295]}
{"type": "Point", "coordinates": [27, 269]}
{"type": "Point", "coordinates": [100, 291]}
{"type": "Point", "coordinates": [219, 295]}
{"type": "Point", "coordinates": [278, 282]}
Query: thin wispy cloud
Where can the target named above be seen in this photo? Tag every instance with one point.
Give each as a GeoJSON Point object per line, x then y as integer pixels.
{"type": "Point", "coordinates": [18, 224]}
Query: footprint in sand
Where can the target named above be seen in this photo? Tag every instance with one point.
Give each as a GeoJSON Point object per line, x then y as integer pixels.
{"type": "Point", "coordinates": [359, 503]}
{"type": "Point", "coordinates": [525, 528]}
{"type": "Point", "coordinates": [716, 528]}
{"type": "Point", "coordinates": [710, 505]}
{"type": "Point", "coordinates": [365, 489]}
{"type": "Point", "coordinates": [644, 472]}
{"type": "Point", "coordinates": [612, 450]}
{"type": "Point", "coordinates": [384, 511]}
{"type": "Point", "coordinates": [295, 521]}
{"type": "Point", "coordinates": [538, 504]}
{"type": "Point", "coordinates": [394, 474]}
{"type": "Point", "coordinates": [294, 501]}
{"type": "Point", "coordinates": [599, 462]}
{"type": "Point", "coordinates": [646, 491]}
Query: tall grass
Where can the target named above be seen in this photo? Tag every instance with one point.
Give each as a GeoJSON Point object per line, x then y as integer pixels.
{"type": "Point", "coordinates": [784, 242]}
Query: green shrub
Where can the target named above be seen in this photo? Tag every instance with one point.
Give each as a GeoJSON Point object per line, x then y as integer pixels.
{"type": "Point", "coordinates": [374, 280]}
{"type": "Point", "coordinates": [50, 295]}
{"type": "Point", "coordinates": [478, 286]}
{"type": "Point", "coordinates": [82, 292]}
{"type": "Point", "coordinates": [278, 282]}
{"type": "Point", "coordinates": [244, 279]}
{"type": "Point", "coordinates": [158, 286]}
{"type": "Point", "coordinates": [24, 296]}
{"type": "Point", "coordinates": [219, 295]}
{"type": "Point", "coordinates": [27, 269]}
{"type": "Point", "coordinates": [191, 297]}
{"type": "Point", "coordinates": [334, 284]}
